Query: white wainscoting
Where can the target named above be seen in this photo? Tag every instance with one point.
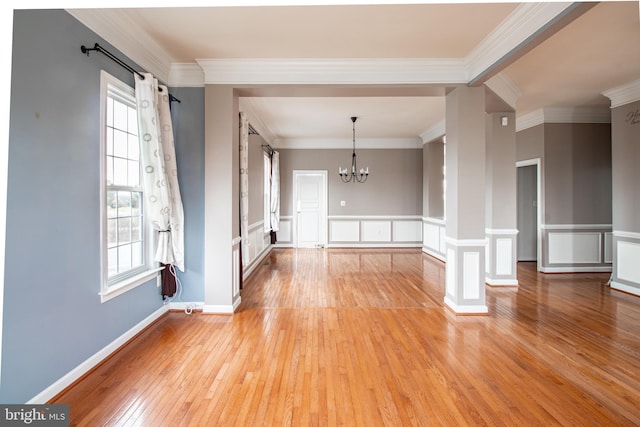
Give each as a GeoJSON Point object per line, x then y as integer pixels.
{"type": "Point", "coordinates": [259, 245]}
{"type": "Point", "coordinates": [284, 236]}
{"type": "Point", "coordinates": [375, 231]}
{"type": "Point", "coordinates": [434, 242]}
{"type": "Point", "coordinates": [577, 248]}
{"type": "Point", "coordinates": [626, 274]}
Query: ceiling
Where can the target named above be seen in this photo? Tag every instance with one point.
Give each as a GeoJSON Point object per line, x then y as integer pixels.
{"type": "Point", "coordinates": [563, 65]}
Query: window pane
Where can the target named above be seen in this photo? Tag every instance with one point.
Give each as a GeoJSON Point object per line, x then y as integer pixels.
{"type": "Point", "coordinates": [134, 173]}
{"type": "Point", "coordinates": [136, 254]}
{"type": "Point", "coordinates": [124, 203]}
{"type": "Point", "coordinates": [110, 141]}
{"type": "Point", "coordinates": [136, 229]}
{"type": "Point", "coordinates": [109, 111]}
{"type": "Point", "coordinates": [134, 147]}
{"type": "Point", "coordinates": [112, 204]}
{"type": "Point", "coordinates": [124, 258]}
{"type": "Point", "coordinates": [112, 262]}
{"type": "Point", "coordinates": [109, 170]}
{"type": "Point", "coordinates": [124, 230]}
{"type": "Point", "coordinates": [120, 143]}
{"type": "Point", "coordinates": [119, 171]}
{"type": "Point", "coordinates": [119, 115]}
{"type": "Point", "coordinates": [133, 121]}
{"type": "Point", "coordinates": [136, 204]}
{"type": "Point", "coordinates": [112, 225]}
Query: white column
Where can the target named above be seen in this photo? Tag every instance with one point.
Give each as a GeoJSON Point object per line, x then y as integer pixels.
{"type": "Point", "coordinates": [501, 202]}
{"type": "Point", "coordinates": [465, 201]}
{"type": "Point", "coordinates": [221, 222]}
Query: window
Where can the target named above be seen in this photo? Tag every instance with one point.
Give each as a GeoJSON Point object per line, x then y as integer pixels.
{"type": "Point", "coordinates": [267, 191]}
{"type": "Point", "coordinates": [125, 240]}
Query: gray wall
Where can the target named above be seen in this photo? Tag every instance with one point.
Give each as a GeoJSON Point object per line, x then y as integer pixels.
{"type": "Point", "coordinates": [626, 170]}
{"type": "Point", "coordinates": [188, 128]}
{"type": "Point", "coordinates": [53, 318]}
{"type": "Point", "coordinates": [578, 173]}
{"type": "Point", "coordinates": [433, 175]}
{"type": "Point", "coordinates": [530, 143]}
{"type": "Point", "coordinates": [394, 186]}
{"type": "Point", "coordinates": [501, 172]}
{"type": "Point", "coordinates": [256, 179]}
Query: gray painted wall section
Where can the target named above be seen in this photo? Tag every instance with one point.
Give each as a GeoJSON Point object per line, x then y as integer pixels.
{"type": "Point", "coordinates": [433, 190]}
{"type": "Point", "coordinates": [188, 127]}
{"type": "Point", "coordinates": [578, 163]}
{"type": "Point", "coordinates": [626, 167]}
{"type": "Point", "coordinates": [501, 172]}
{"type": "Point", "coordinates": [53, 318]}
{"type": "Point", "coordinates": [394, 186]}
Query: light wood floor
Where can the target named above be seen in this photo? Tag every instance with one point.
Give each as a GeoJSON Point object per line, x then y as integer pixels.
{"type": "Point", "coordinates": [361, 338]}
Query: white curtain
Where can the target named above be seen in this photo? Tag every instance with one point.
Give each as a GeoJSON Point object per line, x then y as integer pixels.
{"type": "Point", "coordinates": [275, 191]}
{"type": "Point", "coordinates": [244, 187]}
{"type": "Point", "coordinates": [159, 171]}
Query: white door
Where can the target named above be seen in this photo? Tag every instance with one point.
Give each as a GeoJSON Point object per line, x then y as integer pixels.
{"type": "Point", "coordinates": [310, 209]}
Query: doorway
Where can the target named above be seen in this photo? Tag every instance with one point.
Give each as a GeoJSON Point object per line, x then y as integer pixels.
{"type": "Point", "coordinates": [528, 210]}
{"type": "Point", "coordinates": [309, 209]}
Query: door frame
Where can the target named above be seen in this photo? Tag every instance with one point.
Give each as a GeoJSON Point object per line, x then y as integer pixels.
{"type": "Point", "coordinates": [324, 210]}
{"type": "Point", "coordinates": [536, 162]}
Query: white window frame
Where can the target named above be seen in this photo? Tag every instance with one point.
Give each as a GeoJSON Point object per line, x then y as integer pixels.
{"type": "Point", "coordinates": [112, 287]}
{"type": "Point", "coordinates": [266, 189]}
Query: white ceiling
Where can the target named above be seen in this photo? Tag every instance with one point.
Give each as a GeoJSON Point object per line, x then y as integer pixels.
{"type": "Point", "coordinates": [561, 67]}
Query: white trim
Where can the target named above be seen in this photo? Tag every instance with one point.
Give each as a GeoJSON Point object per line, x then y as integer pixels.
{"type": "Point", "coordinates": [606, 227]}
{"type": "Point", "coordinates": [521, 27]}
{"type": "Point", "coordinates": [625, 94]}
{"type": "Point", "coordinates": [465, 309]}
{"type": "Point", "coordinates": [256, 262]}
{"type": "Point", "coordinates": [375, 217]}
{"type": "Point", "coordinates": [626, 234]}
{"type": "Point", "coordinates": [437, 221]}
{"type": "Point", "coordinates": [529, 120]}
{"type": "Point", "coordinates": [334, 71]}
{"type": "Point", "coordinates": [218, 309]}
{"type": "Point", "coordinates": [471, 275]}
{"type": "Point", "coordinates": [236, 241]}
{"type": "Point", "coordinates": [501, 231]}
{"type": "Point", "coordinates": [434, 254]}
{"type": "Point", "coordinates": [185, 75]}
{"type": "Point", "coordinates": [324, 208]}
{"type": "Point", "coordinates": [344, 144]}
{"type": "Point", "coordinates": [116, 26]}
{"type": "Point", "coordinates": [183, 306]}
{"type": "Point", "coordinates": [577, 269]}
{"type": "Point", "coordinates": [505, 88]}
{"type": "Point", "coordinates": [625, 288]}
{"type": "Point", "coordinates": [563, 115]}
{"type": "Point", "coordinates": [77, 372]}
{"type": "Point", "coordinates": [256, 225]}
{"type": "Point", "coordinates": [539, 200]}
{"type": "Point", "coordinates": [128, 284]}
{"type": "Point", "coordinates": [434, 132]}
{"type": "Point", "coordinates": [374, 245]}
{"type": "Point", "coordinates": [466, 242]}
{"type": "Point", "coordinates": [500, 282]}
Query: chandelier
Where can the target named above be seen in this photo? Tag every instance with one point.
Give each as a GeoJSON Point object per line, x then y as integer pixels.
{"type": "Point", "coordinates": [355, 175]}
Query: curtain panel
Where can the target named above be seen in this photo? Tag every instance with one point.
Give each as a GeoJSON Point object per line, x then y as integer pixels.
{"type": "Point", "coordinates": [163, 202]}
{"type": "Point", "coordinates": [275, 191]}
{"type": "Point", "coordinates": [244, 187]}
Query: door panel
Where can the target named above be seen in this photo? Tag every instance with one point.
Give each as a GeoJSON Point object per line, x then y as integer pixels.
{"type": "Point", "coordinates": [310, 215]}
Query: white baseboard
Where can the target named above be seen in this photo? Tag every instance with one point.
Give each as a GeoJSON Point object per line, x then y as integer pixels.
{"type": "Point", "coordinates": [256, 262]}
{"type": "Point", "coordinates": [625, 288]}
{"type": "Point", "coordinates": [77, 372]}
{"type": "Point", "coordinates": [182, 306]}
{"type": "Point", "coordinates": [466, 309]}
{"type": "Point", "coordinates": [374, 245]}
{"type": "Point", "coordinates": [218, 309]}
{"type": "Point", "coordinates": [501, 282]}
{"type": "Point", "coordinates": [576, 269]}
{"type": "Point", "coordinates": [283, 245]}
{"type": "Point", "coordinates": [434, 254]}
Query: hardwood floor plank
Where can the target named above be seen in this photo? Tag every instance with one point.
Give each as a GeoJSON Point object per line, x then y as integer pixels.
{"type": "Point", "coordinates": [361, 337]}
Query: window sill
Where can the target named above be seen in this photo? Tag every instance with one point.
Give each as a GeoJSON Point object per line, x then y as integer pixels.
{"type": "Point", "coordinates": [128, 284]}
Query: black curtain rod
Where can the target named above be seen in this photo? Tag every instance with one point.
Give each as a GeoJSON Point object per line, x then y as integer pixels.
{"type": "Point", "coordinates": [97, 48]}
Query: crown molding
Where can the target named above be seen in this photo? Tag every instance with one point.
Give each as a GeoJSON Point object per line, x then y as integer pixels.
{"type": "Point", "coordinates": [436, 131]}
{"type": "Point", "coordinates": [624, 94]}
{"type": "Point", "coordinates": [186, 75]}
{"type": "Point", "coordinates": [340, 144]}
{"type": "Point", "coordinates": [520, 28]}
{"type": "Point", "coordinates": [505, 88]}
{"type": "Point", "coordinates": [117, 28]}
{"type": "Point", "coordinates": [563, 115]}
{"type": "Point", "coordinates": [334, 71]}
